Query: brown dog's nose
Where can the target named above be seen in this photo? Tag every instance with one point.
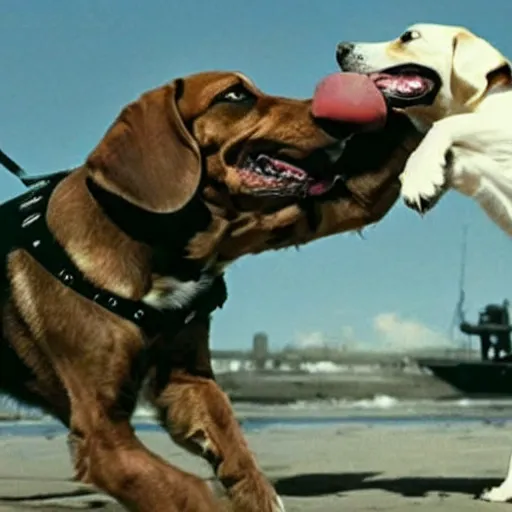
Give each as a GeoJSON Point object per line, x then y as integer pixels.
{"type": "Point", "coordinates": [342, 50]}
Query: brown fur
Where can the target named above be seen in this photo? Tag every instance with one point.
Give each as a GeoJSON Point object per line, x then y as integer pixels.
{"type": "Point", "coordinates": [81, 357]}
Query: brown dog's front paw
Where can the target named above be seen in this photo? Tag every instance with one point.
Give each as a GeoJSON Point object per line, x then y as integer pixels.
{"type": "Point", "coordinates": [254, 494]}
{"type": "Point", "coordinates": [196, 496]}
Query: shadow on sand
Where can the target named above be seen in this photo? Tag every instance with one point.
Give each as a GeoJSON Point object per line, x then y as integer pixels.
{"type": "Point", "coordinates": [320, 484]}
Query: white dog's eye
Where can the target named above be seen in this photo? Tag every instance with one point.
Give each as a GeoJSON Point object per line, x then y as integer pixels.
{"type": "Point", "coordinates": [410, 35]}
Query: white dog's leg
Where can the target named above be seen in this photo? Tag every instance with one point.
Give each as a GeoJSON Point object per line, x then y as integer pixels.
{"type": "Point", "coordinates": [425, 176]}
{"type": "Point", "coordinates": [503, 492]}
{"type": "Point", "coordinates": [487, 179]}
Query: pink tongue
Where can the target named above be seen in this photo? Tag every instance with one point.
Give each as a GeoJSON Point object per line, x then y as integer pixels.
{"type": "Point", "coordinates": [350, 98]}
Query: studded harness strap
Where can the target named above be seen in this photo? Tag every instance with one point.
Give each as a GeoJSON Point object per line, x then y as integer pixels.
{"type": "Point", "coordinates": [27, 229]}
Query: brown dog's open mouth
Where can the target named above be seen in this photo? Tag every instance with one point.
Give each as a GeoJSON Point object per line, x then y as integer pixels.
{"type": "Point", "coordinates": [264, 175]}
{"type": "Point", "coordinates": [408, 85]}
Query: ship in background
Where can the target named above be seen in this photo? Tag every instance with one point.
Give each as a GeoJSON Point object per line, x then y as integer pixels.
{"type": "Point", "coordinates": [491, 375]}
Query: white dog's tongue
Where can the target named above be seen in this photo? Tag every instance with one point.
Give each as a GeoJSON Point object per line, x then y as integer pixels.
{"type": "Point", "coordinates": [350, 98]}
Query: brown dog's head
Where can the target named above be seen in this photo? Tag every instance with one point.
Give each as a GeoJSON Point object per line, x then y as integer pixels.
{"type": "Point", "coordinates": [218, 126]}
{"type": "Point", "coordinates": [217, 133]}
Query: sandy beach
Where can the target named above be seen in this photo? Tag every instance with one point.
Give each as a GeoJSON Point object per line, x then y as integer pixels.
{"type": "Point", "coordinates": [356, 467]}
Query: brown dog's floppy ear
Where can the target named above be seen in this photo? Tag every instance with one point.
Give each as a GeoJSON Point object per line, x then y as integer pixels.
{"type": "Point", "coordinates": [147, 156]}
{"type": "Point", "coordinates": [475, 63]}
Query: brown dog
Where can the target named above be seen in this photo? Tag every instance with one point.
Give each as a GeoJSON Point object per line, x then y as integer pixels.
{"type": "Point", "coordinates": [216, 137]}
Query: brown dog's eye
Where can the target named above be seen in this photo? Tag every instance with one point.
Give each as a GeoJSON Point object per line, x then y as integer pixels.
{"type": "Point", "coordinates": [410, 35]}
{"type": "Point", "coordinates": [236, 94]}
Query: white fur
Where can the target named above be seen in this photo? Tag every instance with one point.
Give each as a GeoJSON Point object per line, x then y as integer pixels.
{"type": "Point", "coordinates": [469, 122]}
{"type": "Point", "coordinates": [170, 293]}
{"type": "Point", "coordinates": [468, 141]}
{"type": "Point", "coordinates": [279, 505]}
{"type": "Point", "coordinates": [503, 492]}
{"type": "Point", "coordinates": [481, 168]}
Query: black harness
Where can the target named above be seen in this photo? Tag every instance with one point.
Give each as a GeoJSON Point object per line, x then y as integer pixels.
{"type": "Point", "coordinates": [24, 226]}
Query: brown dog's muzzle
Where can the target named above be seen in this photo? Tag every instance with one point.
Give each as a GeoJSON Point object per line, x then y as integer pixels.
{"type": "Point", "coordinates": [292, 151]}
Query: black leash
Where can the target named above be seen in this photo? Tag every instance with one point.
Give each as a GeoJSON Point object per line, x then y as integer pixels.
{"type": "Point", "coordinates": [13, 167]}
{"type": "Point", "coordinates": [18, 171]}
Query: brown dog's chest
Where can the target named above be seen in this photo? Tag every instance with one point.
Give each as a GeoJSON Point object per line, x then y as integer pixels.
{"type": "Point", "coordinates": [169, 292]}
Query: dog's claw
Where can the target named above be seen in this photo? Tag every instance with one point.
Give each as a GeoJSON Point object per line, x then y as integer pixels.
{"type": "Point", "coordinates": [423, 204]}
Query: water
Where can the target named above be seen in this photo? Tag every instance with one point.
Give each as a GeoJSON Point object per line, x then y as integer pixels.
{"type": "Point", "coordinates": [51, 429]}
{"type": "Point", "coordinates": [380, 411]}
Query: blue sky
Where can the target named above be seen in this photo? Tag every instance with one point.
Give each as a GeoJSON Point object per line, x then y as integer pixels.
{"type": "Point", "coordinates": [68, 67]}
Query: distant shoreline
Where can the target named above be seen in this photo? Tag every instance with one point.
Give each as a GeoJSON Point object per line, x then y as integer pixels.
{"type": "Point", "coordinates": [12, 417]}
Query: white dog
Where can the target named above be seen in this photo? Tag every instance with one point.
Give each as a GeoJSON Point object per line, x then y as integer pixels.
{"type": "Point", "coordinates": [456, 88]}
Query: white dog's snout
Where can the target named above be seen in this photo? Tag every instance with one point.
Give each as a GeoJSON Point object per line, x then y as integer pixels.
{"type": "Point", "coordinates": [343, 50]}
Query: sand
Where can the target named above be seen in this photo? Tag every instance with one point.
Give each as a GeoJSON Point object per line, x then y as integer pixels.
{"type": "Point", "coordinates": [315, 469]}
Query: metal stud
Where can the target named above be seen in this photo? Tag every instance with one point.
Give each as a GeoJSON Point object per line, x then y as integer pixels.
{"type": "Point", "coordinates": [30, 202]}
{"type": "Point", "coordinates": [190, 317]}
{"type": "Point", "coordinates": [30, 219]}
{"type": "Point", "coordinates": [66, 276]}
{"type": "Point", "coordinates": [36, 243]}
{"type": "Point", "coordinates": [112, 302]}
{"type": "Point", "coordinates": [39, 184]}
{"type": "Point", "coordinates": [138, 314]}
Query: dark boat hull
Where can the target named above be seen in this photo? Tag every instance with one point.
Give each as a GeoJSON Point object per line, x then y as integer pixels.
{"type": "Point", "coordinates": [475, 378]}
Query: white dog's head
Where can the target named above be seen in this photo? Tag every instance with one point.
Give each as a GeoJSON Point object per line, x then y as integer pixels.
{"type": "Point", "coordinates": [430, 70]}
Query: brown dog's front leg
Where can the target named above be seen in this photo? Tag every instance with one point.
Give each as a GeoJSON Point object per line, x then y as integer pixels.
{"type": "Point", "coordinates": [199, 417]}
{"type": "Point", "coordinates": [108, 455]}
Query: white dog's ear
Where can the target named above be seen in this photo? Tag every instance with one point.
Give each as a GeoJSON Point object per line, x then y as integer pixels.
{"type": "Point", "coordinates": [476, 66]}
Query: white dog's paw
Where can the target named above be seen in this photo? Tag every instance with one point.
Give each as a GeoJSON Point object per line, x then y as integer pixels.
{"type": "Point", "coordinates": [424, 179]}
{"type": "Point", "coordinates": [500, 494]}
